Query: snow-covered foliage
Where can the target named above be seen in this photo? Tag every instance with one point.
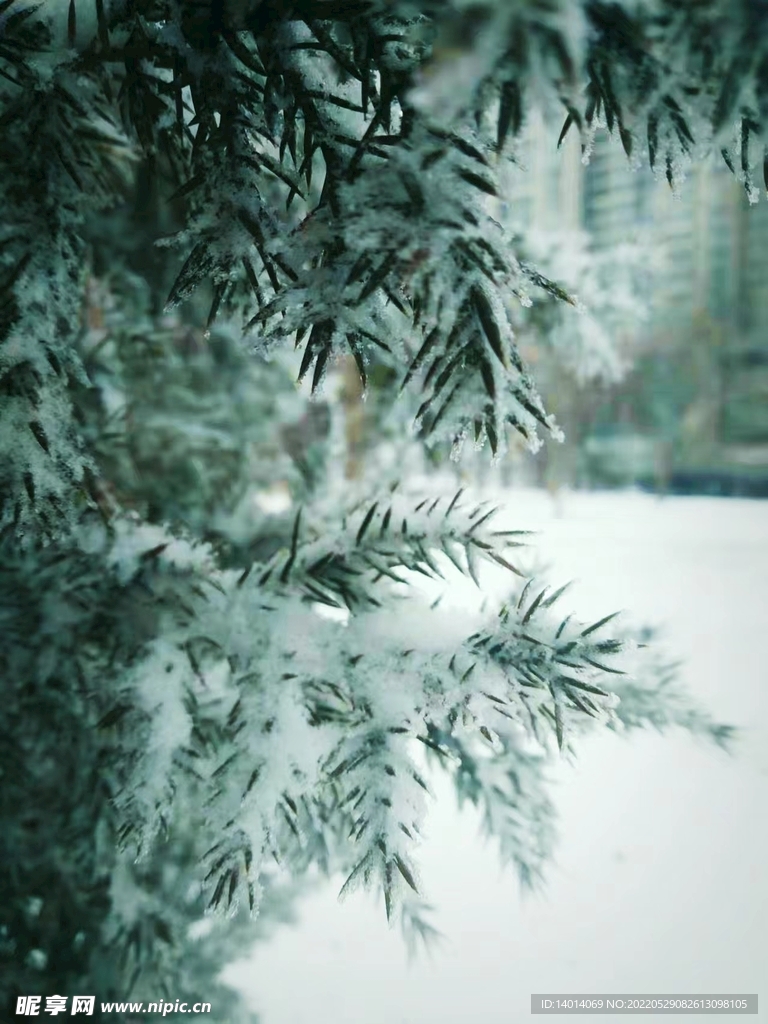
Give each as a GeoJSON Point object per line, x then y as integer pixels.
{"type": "Point", "coordinates": [335, 162]}
{"type": "Point", "coordinates": [288, 720]}
{"type": "Point", "coordinates": [259, 679]}
{"type": "Point", "coordinates": [611, 288]}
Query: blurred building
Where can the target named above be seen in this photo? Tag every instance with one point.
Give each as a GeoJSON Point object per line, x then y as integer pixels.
{"type": "Point", "coordinates": [700, 387]}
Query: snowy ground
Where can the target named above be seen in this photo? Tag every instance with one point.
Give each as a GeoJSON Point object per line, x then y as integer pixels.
{"type": "Point", "coordinates": [660, 883]}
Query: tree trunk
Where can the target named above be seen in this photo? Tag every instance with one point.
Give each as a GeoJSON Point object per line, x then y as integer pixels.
{"type": "Point", "coordinates": [354, 418]}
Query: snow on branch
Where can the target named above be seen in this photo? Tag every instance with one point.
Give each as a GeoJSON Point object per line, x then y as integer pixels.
{"type": "Point", "coordinates": [276, 713]}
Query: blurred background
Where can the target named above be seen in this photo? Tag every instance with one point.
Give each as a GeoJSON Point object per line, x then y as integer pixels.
{"type": "Point", "coordinates": [690, 414]}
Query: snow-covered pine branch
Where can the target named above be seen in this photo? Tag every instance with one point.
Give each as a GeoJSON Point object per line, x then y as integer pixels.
{"type": "Point", "coordinates": [332, 169]}
{"type": "Point", "coordinates": [276, 712]}
{"type": "Point", "coordinates": [343, 119]}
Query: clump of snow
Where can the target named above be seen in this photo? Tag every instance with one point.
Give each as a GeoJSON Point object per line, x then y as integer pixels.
{"type": "Point", "coordinates": [133, 540]}
{"type": "Point", "coordinates": [158, 681]}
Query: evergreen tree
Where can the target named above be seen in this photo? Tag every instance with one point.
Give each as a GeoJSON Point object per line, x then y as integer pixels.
{"type": "Point", "coordinates": [326, 172]}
